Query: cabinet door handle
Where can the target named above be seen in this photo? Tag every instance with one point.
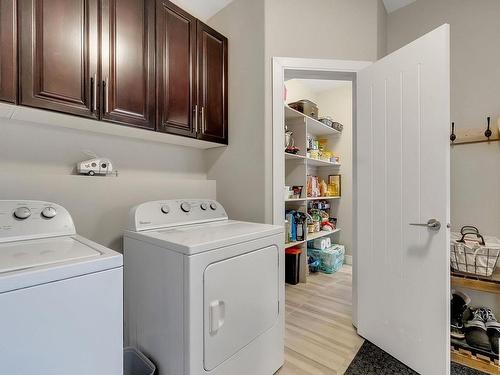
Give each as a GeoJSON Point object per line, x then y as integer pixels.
{"type": "Point", "coordinates": [105, 95]}
{"type": "Point", "coordinates": [202, 119]}
{"type": "Point", "coordinates": [92, 94]}
{"type": "Point", "coordinates": [196, 118]}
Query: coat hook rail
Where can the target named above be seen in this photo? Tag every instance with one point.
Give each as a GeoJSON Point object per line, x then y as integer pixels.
{"type": "Point", "coordinates": [475, 135]}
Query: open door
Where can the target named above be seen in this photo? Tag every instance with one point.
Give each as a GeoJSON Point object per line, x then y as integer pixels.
{"type": "Point", "coordinates": [403, 178]}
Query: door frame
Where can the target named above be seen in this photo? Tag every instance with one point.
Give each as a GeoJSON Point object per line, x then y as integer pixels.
{"type": "Point", "coordinates": [347, 71]}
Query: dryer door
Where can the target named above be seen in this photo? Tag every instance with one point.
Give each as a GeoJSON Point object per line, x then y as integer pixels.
{"type": "Point", "coordinates": [241, 302]}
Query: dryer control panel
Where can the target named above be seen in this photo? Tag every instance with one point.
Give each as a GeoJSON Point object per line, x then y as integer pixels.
{"type": "Point", "coordinates": [20, 220]}
{"type": "Point", "coordinates": [176, 212]}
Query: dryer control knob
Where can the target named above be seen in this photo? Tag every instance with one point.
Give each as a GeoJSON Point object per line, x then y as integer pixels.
{"type": "Point", "coordinates": [165, 209]}
{"type": "Point", "coordinates": [204, 206]}
{"type": "Point", "coordinates": [22, 213]}
{"type": "Point", "coordinates": [185, 206]}
{"type": "Point", "coordinates": [213, 206]}
{"type": "Point", "coordinates": [49, 212]}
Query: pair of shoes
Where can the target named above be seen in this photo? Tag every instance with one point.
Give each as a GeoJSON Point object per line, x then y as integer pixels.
{"type": "Point", "coordinates": [483, 330]}
{"type": "Point", "coordinates": [459, 304]}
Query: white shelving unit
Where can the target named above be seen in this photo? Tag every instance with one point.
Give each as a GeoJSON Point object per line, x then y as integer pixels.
{"type": "Point", "coordinates": [298, 166]}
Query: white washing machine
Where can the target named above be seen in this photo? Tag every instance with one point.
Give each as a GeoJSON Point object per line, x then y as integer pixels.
{"type": "Point", "coordinates": [204, 294]}
{"type": "Point", "coordinates": [60, 296]}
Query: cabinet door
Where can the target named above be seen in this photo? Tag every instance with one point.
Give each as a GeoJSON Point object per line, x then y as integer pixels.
{"type": "Point", "coordinates": [175, 59]}
{"type": "Point", "coordinates": [58, 55]}
{"type": "Point", "coordinates": [8, 63]}
{"type": "Point", "coordinates": [212, 84]}
{"type": "Point", "coordinates": [128, 76]}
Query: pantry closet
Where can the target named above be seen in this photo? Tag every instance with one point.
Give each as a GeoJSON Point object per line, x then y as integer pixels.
{"type": "Point", "coordinates": [318, 174]}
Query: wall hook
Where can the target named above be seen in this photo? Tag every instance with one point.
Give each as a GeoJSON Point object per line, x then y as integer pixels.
{"type": "Point", "coordinates": [452, 135]}
{"type": "Point", "coordinates": [488, 132]}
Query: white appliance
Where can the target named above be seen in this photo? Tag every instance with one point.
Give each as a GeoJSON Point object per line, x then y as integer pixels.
{"type": "Point", "coordinates": [204, 294]}
{"type": "Point", "coordinates": [60, 295]}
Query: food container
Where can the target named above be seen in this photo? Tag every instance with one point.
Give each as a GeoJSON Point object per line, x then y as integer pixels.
{"type": "Point", "coordinates": [327, 121]}
{"type": "Point", "coordinates": [306, 107]}
{"type": "Point", "coordinates": [337, 126]}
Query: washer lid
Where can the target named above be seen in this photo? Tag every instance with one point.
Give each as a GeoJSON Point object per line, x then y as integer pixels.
{"type": "Point", "coordinates": [197, 238]}
{"type": "Point", "coordinates": [21, 255]}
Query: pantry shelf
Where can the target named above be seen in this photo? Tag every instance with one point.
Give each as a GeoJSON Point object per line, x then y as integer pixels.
{"type": "Point", "coordinates": [294, 243]}
{"type": "Point", "coordinates": [323, 233]}
{"type": "Point", "coordinates": [296, 200]}
{"type": "Point", "coordinates": [321, 198]}
{"type": "Point", "coordinates": [289, 156]}
{"type": "Point", "coordinates": [314, 127]}
{"type": "Point", "coordinates": [321, 163]}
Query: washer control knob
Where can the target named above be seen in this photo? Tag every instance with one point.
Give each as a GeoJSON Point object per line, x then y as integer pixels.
{"type": "Point", "coordinates": [22, 213]}
{"type": "Point", "coordinates": [49, 212]}
{"type": "Point", "coordinates": [213, 206]}
{"type": "Point", "coordinates": [185, 206]}
{"type": "Point", "coordinates": [204, 206]}
{"type": "Point", "coordinates": [165, 209]}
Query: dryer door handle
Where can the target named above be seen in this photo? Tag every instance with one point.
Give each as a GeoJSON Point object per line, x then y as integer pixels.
{"type": "Point", "coordinates": [217, 315]}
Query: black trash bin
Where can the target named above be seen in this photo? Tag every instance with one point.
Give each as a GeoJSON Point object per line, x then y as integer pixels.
{"type": "Point", "coordinates": [292, 265]}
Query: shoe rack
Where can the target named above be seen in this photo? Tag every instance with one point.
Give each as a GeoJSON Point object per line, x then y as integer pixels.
{"type": "Point", "coordinates": [460, 352]}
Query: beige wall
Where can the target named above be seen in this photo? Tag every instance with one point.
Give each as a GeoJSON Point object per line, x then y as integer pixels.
{"type": "Point", "coordinates": [37, 162]}
{"type": "Point", "coordinates": [337, 103]}
{"type": "Point", "coordinates": [239, 169]}
{"type": "Point", "coordinates": [326, 29]}
{"type": "Point", "coordinates": [475, 93]}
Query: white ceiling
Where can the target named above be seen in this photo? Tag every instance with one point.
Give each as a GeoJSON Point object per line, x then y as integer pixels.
{"type": "Point", "coordinates": [392, 5]}
{"type": "Point", "coordinates": [202, 9]}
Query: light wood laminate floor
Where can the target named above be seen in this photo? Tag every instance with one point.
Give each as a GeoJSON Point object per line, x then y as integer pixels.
{"type": "Point", "coordinates": [319, 336]}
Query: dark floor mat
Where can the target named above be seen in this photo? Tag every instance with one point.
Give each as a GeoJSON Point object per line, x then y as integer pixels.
{"type": "Point", "coordinates": [371, 360]}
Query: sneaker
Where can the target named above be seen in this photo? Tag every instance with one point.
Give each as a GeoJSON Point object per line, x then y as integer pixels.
{"type": "Point", "coordinates": [475, 331]}
{"type": "Point", "coordinates": [459, 303]}
{"type": "Point", "coordinates": [493, 328]}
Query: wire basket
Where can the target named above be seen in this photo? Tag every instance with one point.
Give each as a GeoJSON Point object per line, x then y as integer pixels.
{"type": "Point", "coordinates": [471, 254]}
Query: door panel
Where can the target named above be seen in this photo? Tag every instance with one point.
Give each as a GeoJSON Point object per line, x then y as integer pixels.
{"type": "Point", "coordinates": [212, 81]}
{"type": "Point", "coordinates": [128, 71]}
{"type": "Point", "coordinates": [8, 41]}
{"type": "Point", "coordinates": [58, 54]}
{"type": "Point", "coordinates": [176, 74]}
{"type": "Point", "coordinates": [404, 177]}
{"type": "Point", "coordinates": [241, 297]}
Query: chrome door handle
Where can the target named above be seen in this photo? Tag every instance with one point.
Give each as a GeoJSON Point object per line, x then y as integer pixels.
{"type": "Point", "coordinates": [431, 224]}
{"type": "Point", "coordinates": [195, 110]}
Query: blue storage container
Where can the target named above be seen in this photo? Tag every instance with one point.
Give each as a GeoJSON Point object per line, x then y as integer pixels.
{"type": "Point", "coordinates": [331, 259]}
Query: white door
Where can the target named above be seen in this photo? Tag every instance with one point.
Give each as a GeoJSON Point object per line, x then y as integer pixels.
{"type": "Point", "coordinates": [241, 302]}
{"type": "Point", "coordinates": [403, 178]}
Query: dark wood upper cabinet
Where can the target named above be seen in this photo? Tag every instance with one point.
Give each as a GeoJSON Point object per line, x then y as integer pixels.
{"type": "Point", "coordinates": [128, 62]}
{"type": "Point", "coordinates": [59, 55]}
{"type": "Point", "coordinates": [212, 84]}
{"type": "Point", "coordinates": [175, 69]}
{"type": "Point", "coordinates": [8, 51]}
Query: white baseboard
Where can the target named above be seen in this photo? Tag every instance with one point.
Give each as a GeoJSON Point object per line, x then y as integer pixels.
{"type": "Point", "coordinates": [348, 259]}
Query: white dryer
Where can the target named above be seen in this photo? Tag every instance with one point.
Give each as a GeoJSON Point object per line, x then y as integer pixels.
{"type": "Point", "coordinates": [204, 294]}
{"type": "Point", "coordinates": [60, 296]}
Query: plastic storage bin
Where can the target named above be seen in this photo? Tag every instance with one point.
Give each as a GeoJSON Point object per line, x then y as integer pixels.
{"type": "Point", "coordinates": [292, 265]}
{"type": "Point", "coordinates": [136, 363]}
{"type": "Point", "coordinates": [331, 259]}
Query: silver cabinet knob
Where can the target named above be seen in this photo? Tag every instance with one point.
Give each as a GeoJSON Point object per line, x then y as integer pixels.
{"type": "Point", "coordinates": [22, 213]}
{"type": "Point", "coordinates": [49, 212]}
{"type": "Point", "coordinates": [185, 206]}
{"type": "Point", "coordinates": [431, 224]}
